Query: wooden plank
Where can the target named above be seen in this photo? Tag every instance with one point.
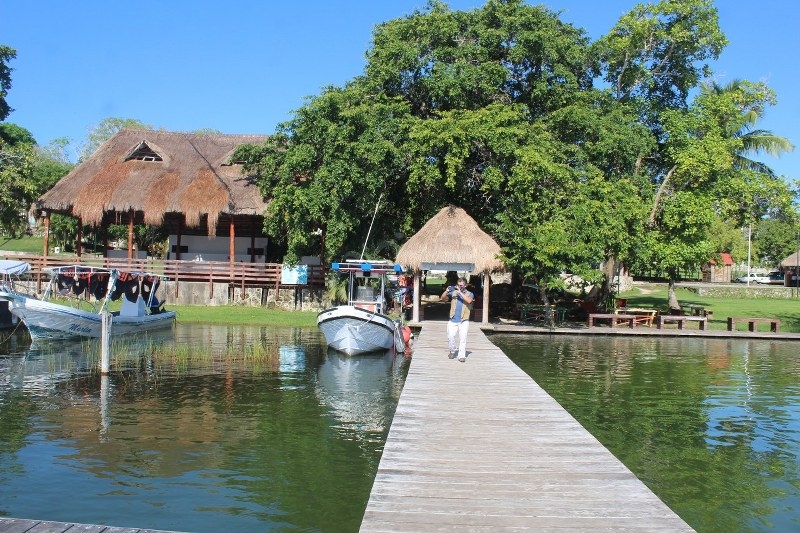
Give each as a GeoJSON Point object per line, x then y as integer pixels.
{"type": "Point", "coordinates": [479, 446]}
{"type": "Point", "coordinates": [19, 525]}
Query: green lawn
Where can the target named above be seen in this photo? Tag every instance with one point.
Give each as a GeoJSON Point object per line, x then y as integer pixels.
{"type": "Point", "coordinates": [242, 315]}
{"type": "Point", "coordinates": [785, 309]}
{"type": "Point", "coordinates": [29, 245]}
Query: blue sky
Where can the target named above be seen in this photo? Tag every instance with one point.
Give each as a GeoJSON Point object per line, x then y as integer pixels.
{"type": "Point", "coordinates": [244, 66]}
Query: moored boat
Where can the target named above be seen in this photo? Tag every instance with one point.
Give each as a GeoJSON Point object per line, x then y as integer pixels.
{"type": "Point", "coordinates": [361, 326]}
{"type": "Point", "coordinates": [61, 312]}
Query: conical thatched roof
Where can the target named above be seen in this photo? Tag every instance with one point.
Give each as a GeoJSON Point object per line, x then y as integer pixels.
{"type": "Point", "coordinates": [790, 261]}
{"type": "Point", "coordinates": [158, 172]}
{"type": "Point", "coordinates": [451, 236]}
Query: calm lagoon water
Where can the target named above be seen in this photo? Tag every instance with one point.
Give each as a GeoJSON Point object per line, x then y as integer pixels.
{"type": "Point", "coordinates": [206, 435]}
{"type": "Point", "coordinates": [210, 434]}
{"type": "Point", "coordinates": [712, 426]}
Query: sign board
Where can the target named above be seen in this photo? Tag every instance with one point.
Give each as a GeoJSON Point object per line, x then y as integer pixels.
{"type": "Point", "coordinates": [294, 275]}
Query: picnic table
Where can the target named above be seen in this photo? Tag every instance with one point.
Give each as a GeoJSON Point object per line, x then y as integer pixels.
{"type": "Point", "coordinates": [694, 310]}
{"type": "Point", "coordinates": [643, 315]}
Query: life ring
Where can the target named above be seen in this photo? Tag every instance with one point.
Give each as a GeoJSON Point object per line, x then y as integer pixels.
{"type": "Point", "coordinates": [406, 331]}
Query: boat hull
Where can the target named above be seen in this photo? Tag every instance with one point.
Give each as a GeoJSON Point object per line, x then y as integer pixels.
{"type": "Point", "coordinates": [354, 331]}
{"type": "Point", "coordinates": [51, 321]}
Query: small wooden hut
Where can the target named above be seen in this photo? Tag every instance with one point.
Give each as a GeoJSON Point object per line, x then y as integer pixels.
{"type": "Point", "coordinates": [714, 272]}
{"type": "Point", "coordinates": [790, 267]}
{"type": "Point", "coordinates": [451, 240]}
{"type": "Point", "coordinates": [184, 181]}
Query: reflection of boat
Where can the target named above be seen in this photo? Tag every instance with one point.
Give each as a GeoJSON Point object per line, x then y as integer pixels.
{"type": "Point", "coordinates": [356, 389]}
{"type": "Point", "coordinates": [360, 326]}
{"type": "Point", "coordinates": [57, 314]}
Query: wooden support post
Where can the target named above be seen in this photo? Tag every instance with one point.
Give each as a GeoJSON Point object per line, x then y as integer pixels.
{"type": "Point", "coordinates": [105, 342]}
{"type": "Point", "coordinates": [486, 281]}
{"type": "Point", "coordinates": [45, 251]}
{"type": "Point", "coordinates": [79, 243]}
{"type": "Point", "coordinates": [178, 239]}
{"type": "Point", "coordinates": [105, 420]}
{"type": "Point", "coordinates": [253, 241]}
{"type": "Point", "coordinates": [130, 237]}
{"type": "Point", "coordinates": [232, 247]}
{"type": "Point", "coordinates": [415, 313]}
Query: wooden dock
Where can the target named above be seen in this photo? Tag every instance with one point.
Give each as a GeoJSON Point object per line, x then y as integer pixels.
{"type": "Point", "coordinates": [19, 525]}
{"type": "Point", "coordinates": [479, 446]}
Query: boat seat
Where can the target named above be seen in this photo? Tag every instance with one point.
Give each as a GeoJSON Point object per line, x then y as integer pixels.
{"type": "Point", "coordinates": [130, 308]}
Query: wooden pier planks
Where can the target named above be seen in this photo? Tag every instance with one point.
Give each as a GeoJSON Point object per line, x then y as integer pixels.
{"type": "Point", "coordinates": [19, 525]}
{"type": "Point", "coordinates": [479, 446]}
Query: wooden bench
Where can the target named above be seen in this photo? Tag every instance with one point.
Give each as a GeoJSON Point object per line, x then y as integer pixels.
{"type": "Point", "coordinates": [681, 320]}
{"type": "Point", "coordinates": [774, 323]}
{"type": "Point", "coordinates": [630, 319]}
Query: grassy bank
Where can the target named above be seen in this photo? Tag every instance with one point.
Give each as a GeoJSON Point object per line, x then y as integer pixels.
{"type": "Point", "coordinates": [28, 245]}
{"type": "Point", "coordinates": [787, 310]}
{"type": "Point", "coordinates": [243, 316]}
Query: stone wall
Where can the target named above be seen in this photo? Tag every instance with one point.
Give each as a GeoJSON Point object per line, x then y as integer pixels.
{"type": "Point", "coordinates": [744, 292]}
{"type": "Point", "coordinates": [215, 294]}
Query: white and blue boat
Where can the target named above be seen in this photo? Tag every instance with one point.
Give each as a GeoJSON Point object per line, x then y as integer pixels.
{"type": "Point", "coordinates": [61, 312]}
{"type": "Point", "coordinates": [362, 326]}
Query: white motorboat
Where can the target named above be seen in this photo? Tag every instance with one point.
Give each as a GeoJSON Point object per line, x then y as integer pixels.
{"type": "Point", "coordinates": [10, 273]}
{"type": "Point", "coordinates": [361, 326]}
{"type": "Point", "coordinates": [76, 296]}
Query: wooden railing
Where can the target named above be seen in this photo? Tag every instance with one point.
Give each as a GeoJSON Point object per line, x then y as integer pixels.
{"type": "Point", "coordinates": [236, 274]}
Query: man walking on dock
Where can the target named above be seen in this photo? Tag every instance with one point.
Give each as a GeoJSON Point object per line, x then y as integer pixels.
{"type": "Point", "coordinates": [460, 308]}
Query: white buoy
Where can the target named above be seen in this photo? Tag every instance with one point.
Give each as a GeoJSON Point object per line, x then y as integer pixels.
{"type": "Point", "coordinates": [105, 342]}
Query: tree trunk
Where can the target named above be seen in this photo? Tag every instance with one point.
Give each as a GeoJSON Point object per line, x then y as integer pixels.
{"type": "Point", "coordinates": [543, 294]}
{"type": "Point", "coordinates": [674, 305]}
{"type": "Point", "coordinates": [607, 291]}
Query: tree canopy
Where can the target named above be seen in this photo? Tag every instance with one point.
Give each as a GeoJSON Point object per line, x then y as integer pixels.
{"type": "Point", "coordinates": [6, 55]}
{"type": "Point", "coordinates": [571, 153]}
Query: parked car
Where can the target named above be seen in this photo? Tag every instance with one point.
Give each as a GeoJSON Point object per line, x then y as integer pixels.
{"type": "Point", "coordinates": [773, 278]}
{"type": "Point", "coordinates": [752, 276]}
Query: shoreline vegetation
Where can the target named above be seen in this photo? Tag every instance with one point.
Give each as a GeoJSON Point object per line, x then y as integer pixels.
{"type": "Point", "coordinates": [654, 296]}
{"type": "Point", "coordinates": [650, 295]}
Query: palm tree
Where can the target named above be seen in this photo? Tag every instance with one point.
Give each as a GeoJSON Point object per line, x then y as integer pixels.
{"type": "Point", "coordinates": [754, 141]}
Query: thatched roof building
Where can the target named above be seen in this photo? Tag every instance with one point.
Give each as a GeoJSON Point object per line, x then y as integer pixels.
{"type": "Point", "coordinates": [155, 174]}
{"type": "Point", "coordinates": [790, 261]}
{"type": "Point", "coordinates": [451, 236]}
{"type": "Point", "coordinates": [451, 239]}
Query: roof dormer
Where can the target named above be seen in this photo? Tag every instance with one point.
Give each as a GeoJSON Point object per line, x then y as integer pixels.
{"type": "Point", "coordinates": [143, 152]}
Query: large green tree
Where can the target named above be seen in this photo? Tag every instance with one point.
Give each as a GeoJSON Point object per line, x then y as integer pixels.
{"type": "Point", "coordinates": [499, 110]}
{"type": "Point", "coordinates": [6, 55]}
{"type": "Point", "coordinates": [26, 172]}
{"type": "Point", "coordinates": [777, 239]}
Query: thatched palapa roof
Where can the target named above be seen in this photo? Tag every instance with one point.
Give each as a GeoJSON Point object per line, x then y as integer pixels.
{"type": "Point", "coordinates": [790, 261]}
{"type": "Point", "coordinates": [156, 173]}
{"type": "Point", "coordinates": [451, 236]}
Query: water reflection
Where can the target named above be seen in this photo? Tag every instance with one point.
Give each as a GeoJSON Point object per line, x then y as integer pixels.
{"type": "Point", "coordinates": [206, 428]}
{"type": "Point", "coordinates": [711, 425]}
{"type": "Point", "coordinates": [352, 386]}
